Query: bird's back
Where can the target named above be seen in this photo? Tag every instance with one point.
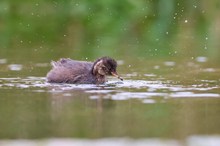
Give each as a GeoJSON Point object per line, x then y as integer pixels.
{"type": "Point", "coordinates": [70, 71]}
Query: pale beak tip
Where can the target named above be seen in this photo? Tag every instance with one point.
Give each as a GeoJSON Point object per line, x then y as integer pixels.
{"type": "Point", "coordinates": [116, 75]}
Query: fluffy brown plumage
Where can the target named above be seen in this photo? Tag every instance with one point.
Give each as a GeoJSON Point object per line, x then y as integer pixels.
{"type": "Point", "coordinates": [82, 72]}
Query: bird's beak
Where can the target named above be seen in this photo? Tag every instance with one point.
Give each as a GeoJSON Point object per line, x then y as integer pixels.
{"type": "Point", "coordinates": [116, 75]}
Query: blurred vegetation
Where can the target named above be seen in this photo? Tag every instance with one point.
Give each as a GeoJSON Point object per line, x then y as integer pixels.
{"type": "Point", "coordinates": [93, 28]}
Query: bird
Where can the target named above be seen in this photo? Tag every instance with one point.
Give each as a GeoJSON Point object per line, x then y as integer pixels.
{"type": "Point", "coordinates": [71, 71]}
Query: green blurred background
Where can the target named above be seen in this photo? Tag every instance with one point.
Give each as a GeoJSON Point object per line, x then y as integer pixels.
{"type": "Point", "coordinates": [41, 30]}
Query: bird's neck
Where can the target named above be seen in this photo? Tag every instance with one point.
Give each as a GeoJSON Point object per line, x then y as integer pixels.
{"type": "Point", "coordinates": [100, 79]}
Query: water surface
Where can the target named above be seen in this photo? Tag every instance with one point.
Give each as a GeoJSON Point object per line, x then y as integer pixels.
{"type": "Point", "coordinates": [157, 99]}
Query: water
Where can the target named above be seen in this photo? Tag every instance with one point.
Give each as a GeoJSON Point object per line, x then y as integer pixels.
{"type": "Point", "coordinates": [174, 100]}
{"type": "Point", "coordinates": [117, 90]}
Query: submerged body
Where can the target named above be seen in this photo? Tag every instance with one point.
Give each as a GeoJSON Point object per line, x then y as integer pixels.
{"type": "Point", "coordinates": [82, 72]}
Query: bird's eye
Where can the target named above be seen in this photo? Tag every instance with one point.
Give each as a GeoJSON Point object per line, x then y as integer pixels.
{"type": "Point", "coordinates": [104, 68]}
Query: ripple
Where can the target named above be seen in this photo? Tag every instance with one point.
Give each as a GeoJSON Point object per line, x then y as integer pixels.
{"type": "Point", "coordinates": [169, 63]}
{"type": "Point", "coordinates": [3, 61]}
{"type": "Point", "coordinates": [15, 67]}
{"type": "Point", "coordinates": [191, 94]}
{"type": "Point", "coordinates": [140, 84]}
{"type": "Point", "coordinates": [146, 91]}
{"type": "Point", "coordinates": [140, 95]}
{"type": "Point", "coordinates": [201, 59]}
{"type": "Point", "coordinates": [100, 91]}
